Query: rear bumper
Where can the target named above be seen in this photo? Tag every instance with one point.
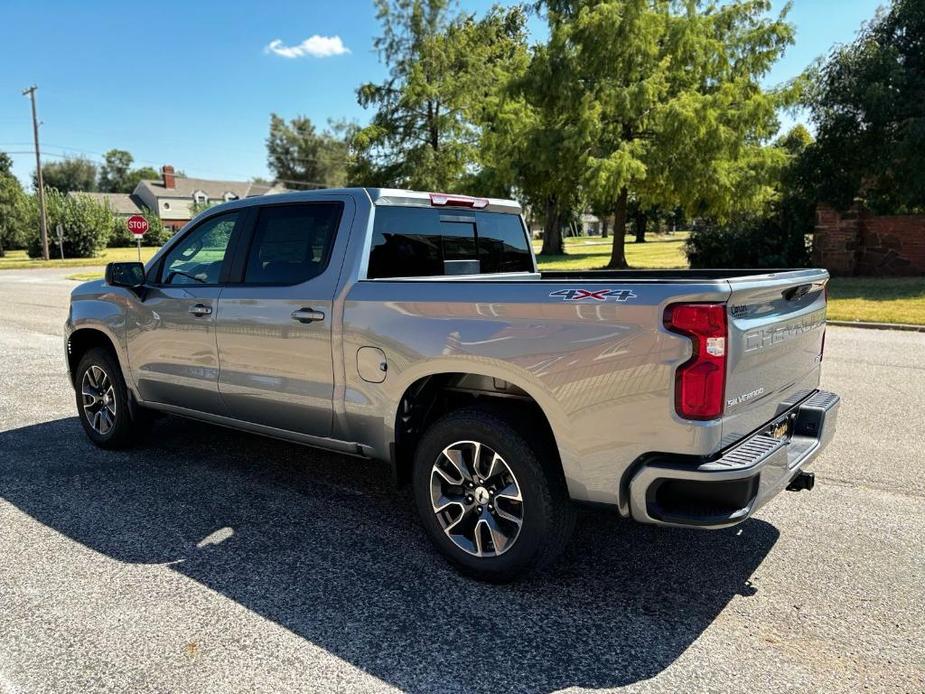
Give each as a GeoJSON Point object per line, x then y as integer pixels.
{"type": "Point", "coordinates": [727, 490]}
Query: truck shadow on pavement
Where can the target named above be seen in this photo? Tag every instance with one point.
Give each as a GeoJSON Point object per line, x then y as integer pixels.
{"type": "Point", "coordinates": [325, 546]}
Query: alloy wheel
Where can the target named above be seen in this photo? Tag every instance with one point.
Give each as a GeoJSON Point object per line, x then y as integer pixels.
{"type": "Point", "coordinates": [99, 399]}
{"type": "Point", "coordinates": [476, 498]}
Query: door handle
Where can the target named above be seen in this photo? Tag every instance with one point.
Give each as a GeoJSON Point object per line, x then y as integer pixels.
{"type": "Point", "coordinates": [307, 315]}
{"type": "Point", "coordinates": [200, 310]}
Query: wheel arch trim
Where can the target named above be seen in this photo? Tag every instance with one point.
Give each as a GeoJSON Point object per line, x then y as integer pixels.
{"type": "Point", "coordinates": [556, 418]}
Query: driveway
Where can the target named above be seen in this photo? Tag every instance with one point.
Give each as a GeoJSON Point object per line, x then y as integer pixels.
{"type": "Point", "coordinates": [208, 560]}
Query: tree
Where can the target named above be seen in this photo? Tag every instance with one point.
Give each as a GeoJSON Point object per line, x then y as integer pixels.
{"type": "Point", "coordinates": [659, 100]}
{"type": "Point", "coordinates": [114, 173]}
{"type": "Point", "coordinates": [72, 173]}
{"type": "Point", "coordinates": [867, 101]}
{"type": "Point", "coordinates": [12, 224]}
{"type": "Point", "coordinates": [773, 236]}
{"type": "Point", "coordinates": [795, 140]}
{"type": "Point", "coordinates": [445, 77]}
{"type": "Point", "coordinates": [535, 143]}
{"type": "Point", "coordinates": [297, 153]}
{"type": "Point", "coordinates": [118, 176]}
{"type": "Point", "coordinates": [144, 173]}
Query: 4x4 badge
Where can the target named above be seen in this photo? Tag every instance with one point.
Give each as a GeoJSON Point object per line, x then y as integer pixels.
{"type": "Point", "coordinates": [620, 295]}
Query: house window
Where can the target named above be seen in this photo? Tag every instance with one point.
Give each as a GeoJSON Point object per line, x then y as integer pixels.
{"type": "Point", "coordinates": [200, 197]}
{"type": "Point", "coordinates": [230, 196]}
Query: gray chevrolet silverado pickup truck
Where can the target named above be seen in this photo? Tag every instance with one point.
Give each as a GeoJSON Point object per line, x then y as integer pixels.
{"type": "Point", "coordinates": [415, 328]}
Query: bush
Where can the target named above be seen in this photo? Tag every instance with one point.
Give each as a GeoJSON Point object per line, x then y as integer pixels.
{"type": "Point", "coordinates": [776, 239]}
{"type": "Point", "coordinates": [157, 235]}
{"type": "Point", "coordinates": [86, 225]}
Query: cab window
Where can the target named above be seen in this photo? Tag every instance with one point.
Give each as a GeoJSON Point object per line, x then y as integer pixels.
{"type": "Point", "coordinates": [198, 257]}
{"type": "Point", "coordinates": [425, 242]}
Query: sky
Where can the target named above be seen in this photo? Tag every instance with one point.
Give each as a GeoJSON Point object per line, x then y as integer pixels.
{"type": "Point", "coordinates": [193, 84]}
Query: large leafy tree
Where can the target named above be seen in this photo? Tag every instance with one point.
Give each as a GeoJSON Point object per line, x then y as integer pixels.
{"type": "Point", "coordinates": [72, 173]}
{"type": "Point", "coordinates": [867, 102]}
{"type": "Point", "coordinates": [445, 77]}
{"type": "Point", "coordinates": [114, 173]}
{"type": "Point", "coordinates": [143, 173]}
{"type": "Point", "coordinates": [656, 99]}
{"type": "Point", "coordinates": [298, 153]}
{"type": "Point", "coordinates": [535, 144]}
{"type": "Point", "coordinates": [117, 174]}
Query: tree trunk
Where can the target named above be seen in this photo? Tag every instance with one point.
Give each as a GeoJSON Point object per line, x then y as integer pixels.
{"type": "Point", "coordinates": [618, 252]}
{"type": "Point", "coordinates": [640, 223]}
{"type": "Point", "coordinates": [552, 229]}
{"type": "Point", "coordinates": [604, 227]}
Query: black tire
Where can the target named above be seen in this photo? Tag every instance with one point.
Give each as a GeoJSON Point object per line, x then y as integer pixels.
{"type": "Point", "coordinates": [128, 424]}
{"type": "Point", "coordinates": [548, 516]}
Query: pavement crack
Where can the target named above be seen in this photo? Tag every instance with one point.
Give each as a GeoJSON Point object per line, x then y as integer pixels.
{"type": "Point", "coordinates": [854, 484]}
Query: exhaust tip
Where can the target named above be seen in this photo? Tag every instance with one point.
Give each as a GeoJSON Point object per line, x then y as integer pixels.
{"type": "Point", "coordinates": [803, 480]}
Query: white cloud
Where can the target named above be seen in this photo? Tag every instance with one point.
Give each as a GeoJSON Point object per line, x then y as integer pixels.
{"type": "Point", "coordinates": [315, 46]}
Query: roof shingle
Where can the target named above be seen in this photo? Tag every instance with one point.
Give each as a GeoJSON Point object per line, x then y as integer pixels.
{"type": "Point", "coordinates": [119, 203]}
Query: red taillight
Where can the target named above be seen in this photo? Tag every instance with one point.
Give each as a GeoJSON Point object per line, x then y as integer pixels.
{"type": "Point", "coordinates": [700, 382]}
{"type": "Point", "coordinates": [444, 200]}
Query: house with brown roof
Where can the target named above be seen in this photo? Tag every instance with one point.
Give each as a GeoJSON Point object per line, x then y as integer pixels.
{"type": "Point", "coordinates": [176, 198]}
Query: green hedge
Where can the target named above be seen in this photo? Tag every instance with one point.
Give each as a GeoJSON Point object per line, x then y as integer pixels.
{"type": "Point", "coordinates": [86, 223]}
{"type": "Point", "coordinates": [157, 235]}
{"type": "Point", "coordinates": [775, 240]}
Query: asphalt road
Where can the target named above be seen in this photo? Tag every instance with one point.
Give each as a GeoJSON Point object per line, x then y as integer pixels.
{"type": "Point", "coordinates": [213, 561]}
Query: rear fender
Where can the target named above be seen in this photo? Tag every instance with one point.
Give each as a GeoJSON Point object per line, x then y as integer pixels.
{"type": "Point", "coordinates": [555, 415]}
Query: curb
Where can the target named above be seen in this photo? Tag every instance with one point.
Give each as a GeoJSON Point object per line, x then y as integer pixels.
{"type": "Point", "coordinates": [909, 327]}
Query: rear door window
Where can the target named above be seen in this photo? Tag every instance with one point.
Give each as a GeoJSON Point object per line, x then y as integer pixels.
{"type": "Point", "coordinates": [422, 242]}
{"type": "Point", "coordinates": [291, 243]}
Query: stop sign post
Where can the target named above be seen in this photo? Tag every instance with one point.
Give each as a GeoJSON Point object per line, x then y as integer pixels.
{"type": "Point", "coordinates": [138, 225]}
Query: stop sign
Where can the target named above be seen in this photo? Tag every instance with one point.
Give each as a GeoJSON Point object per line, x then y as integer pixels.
{"type": "Point", "coordinates": [137, 224]}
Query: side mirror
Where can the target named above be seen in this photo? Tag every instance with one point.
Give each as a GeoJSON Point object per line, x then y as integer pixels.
{"type": "Point", "coordinates": [130, 275]}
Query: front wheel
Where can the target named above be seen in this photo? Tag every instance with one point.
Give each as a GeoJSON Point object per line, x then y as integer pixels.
{"type": "Point", "coordinates": [102, 401]}
{"type": "Point", "coordinates": [489, 502]}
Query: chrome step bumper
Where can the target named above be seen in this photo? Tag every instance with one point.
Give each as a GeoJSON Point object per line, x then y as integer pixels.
{"type": "Point", "coordinates": [725, 491]}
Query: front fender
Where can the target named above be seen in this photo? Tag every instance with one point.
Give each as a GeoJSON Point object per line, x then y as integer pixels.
{"type": "Point", "coordinates": [103, 309]}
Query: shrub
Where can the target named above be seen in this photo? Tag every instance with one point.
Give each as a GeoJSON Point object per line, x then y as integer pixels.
{"type": "Point", "coordinates": [157, 235]}
{"type": "Point", "coordinates": [775, 239]}
{"type": "Point", "coordinates": [86, 224]}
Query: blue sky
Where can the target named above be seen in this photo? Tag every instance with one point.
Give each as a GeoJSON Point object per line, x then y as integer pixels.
{"type": "Point", "coordinates": [193, 83]}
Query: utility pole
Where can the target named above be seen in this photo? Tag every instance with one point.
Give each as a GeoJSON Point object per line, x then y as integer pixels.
{"type": "Point", "coordinates": [43, 218]}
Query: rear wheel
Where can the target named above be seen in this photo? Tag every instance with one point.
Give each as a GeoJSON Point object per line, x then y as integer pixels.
{"type": "Point", "coordinates": [493, 506]}
{"type": "Point", "coordinates": [103, 402]}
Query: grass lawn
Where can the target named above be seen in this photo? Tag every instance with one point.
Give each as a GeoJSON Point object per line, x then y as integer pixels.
{"type": "Point", "coordinates": [18, 260]}
{"type": "Point", "coordinates": [877, 299]}
{"type": "Point", "coordinates": [661, 251]}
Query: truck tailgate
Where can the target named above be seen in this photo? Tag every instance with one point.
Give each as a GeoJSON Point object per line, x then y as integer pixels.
{"type": "Point", "coordinates": [776, 329]}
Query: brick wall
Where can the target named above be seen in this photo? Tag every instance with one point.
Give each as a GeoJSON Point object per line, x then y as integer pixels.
{"type": "Point", "coordinates": [856, 242]}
